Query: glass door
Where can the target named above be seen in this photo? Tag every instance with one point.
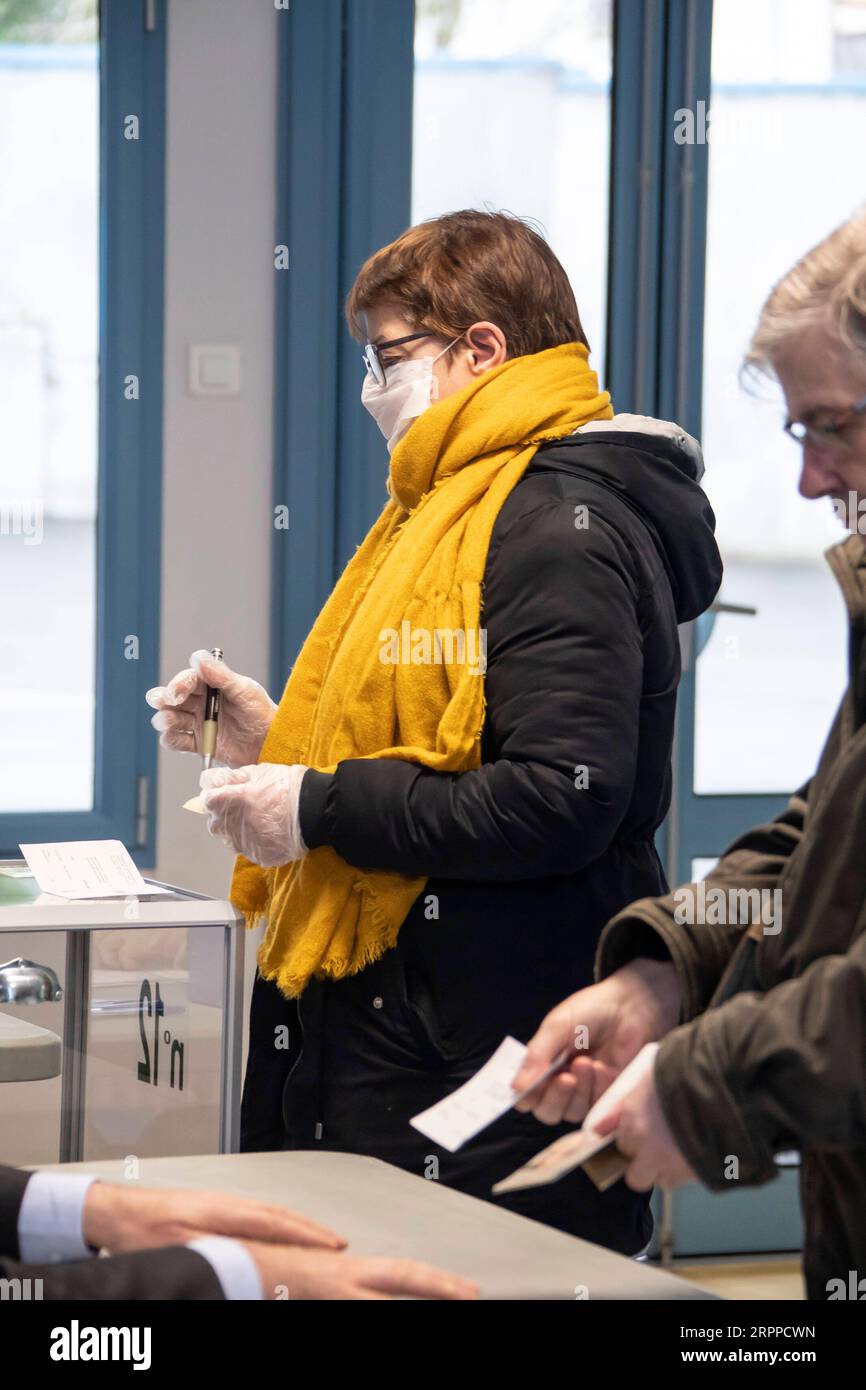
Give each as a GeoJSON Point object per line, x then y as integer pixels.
{"type": "Point", "coordinates": [770, 665]}
{"type": "Point", "coordinates": [766, 669]}
{"type": "Point", "coordinates": [510, 101]}
{"type": "Point", "coordinates": [81, 294]}
{"type": "Point", "coordinates": [49, 321]}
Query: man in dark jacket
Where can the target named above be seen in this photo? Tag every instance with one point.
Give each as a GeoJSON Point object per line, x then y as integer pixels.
{"type": "Point", "coordinates": [771, 1051]}
{"type": "Point", "coordinates": [600, 551]}
{"type": "Point", "coordinates": [51, 1257]}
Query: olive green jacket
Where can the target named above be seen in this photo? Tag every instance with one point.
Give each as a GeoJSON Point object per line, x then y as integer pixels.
{"type": "Point", "coordinates": [771, 1050]}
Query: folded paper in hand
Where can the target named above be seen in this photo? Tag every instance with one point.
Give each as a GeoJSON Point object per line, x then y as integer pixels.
{"type": "Point", "coordinates": [483, 1098]}
{"type": "Point", "coordinates": [475, 1104]}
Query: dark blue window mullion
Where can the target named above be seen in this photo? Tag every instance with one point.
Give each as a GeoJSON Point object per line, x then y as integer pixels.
{"type": "Point", "coordinates": [376, 198]}
{"type": "Point", "coordinates": [684, 216]}
{"type": "Point", "coordinates": [344, 189]}
{"type": "Point", "coordinates": [635, 205]}
{"type": "Point", "coordinates": [307, 328]}
{"type": "Point", "coordinates": [635, 216]}
{"type": "Point", "coordinates": [132, 232]}
{"type": "Point", "coordinates": [688, 38]}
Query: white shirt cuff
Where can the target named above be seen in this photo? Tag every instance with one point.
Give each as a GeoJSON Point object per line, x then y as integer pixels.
{"type": "Point", "coordinates": [232, 1264]}
{"type": "Point", "coordinates": [51, 1218]}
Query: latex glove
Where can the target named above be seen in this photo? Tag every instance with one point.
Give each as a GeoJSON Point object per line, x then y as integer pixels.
{"type": "Point", "coordinates": [255, 809]}
{"type": "Point", "coordinates": [246, 711]}
{"type": "Point", "coordinates": [643, 1134]}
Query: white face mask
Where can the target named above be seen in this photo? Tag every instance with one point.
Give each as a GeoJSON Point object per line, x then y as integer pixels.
{"type": "Point", "coordinates": [410, 387]}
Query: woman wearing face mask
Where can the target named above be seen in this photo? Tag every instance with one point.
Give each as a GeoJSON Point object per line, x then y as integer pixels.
{"type": "Point", "coordinates": [470, 759]}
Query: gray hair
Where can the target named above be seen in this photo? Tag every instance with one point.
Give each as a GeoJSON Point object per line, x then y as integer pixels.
{"type": "Point", "coordinates": [828, 284]}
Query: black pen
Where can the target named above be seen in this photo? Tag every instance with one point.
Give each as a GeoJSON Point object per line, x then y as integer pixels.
{"type": "Point", "coordinates": [211, 716]}
{"type": "Point", "coordinates": [559, 1063]}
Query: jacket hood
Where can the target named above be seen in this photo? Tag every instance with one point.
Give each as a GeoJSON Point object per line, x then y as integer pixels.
{"type": "Point", "coordinates": [656, 467]}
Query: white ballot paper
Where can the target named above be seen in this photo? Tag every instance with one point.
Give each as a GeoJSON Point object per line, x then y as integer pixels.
{"type": "Point", "coordinates": [475, 1104]}
{"type": "Point", "coordinates": [87, 869]}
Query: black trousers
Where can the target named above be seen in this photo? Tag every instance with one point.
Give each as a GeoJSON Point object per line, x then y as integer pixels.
{"type": "Point", "coordinates": [345, 1068]}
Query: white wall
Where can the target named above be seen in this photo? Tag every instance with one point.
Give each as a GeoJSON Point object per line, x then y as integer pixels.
{"type": "Point", "coordinates": [217, 451]}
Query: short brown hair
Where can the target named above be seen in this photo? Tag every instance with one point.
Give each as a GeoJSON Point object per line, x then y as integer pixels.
{"type": "Point", "coordinates": [451, 271]}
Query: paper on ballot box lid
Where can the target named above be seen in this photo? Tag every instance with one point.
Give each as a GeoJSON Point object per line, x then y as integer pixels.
{"type": "Point", "coordinates": [77, 870]}
{"type": "Point", "coordinates": [477, 1103]}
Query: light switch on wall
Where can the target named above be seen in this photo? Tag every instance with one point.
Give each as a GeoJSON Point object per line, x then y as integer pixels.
{"type": "Point", "coordinates": [214, 369]}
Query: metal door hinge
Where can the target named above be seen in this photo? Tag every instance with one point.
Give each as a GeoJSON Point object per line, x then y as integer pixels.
{"type": "Point", "coordinates": [149, 16]}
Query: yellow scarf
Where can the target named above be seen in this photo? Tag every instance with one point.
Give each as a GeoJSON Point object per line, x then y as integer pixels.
{"type": "Point", "coordinates": [371, 680]}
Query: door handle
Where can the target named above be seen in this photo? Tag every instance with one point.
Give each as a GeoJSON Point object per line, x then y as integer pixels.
{"type": "Point", "coordinates": [695, 636]}
{"type": "Point", "coordinates": [720, 607]}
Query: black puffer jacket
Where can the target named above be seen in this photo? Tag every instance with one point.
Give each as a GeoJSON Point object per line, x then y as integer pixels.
{"type": "Point", "coordinates": [600, 551]}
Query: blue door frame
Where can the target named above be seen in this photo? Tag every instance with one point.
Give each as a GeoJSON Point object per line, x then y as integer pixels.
{"type": "Point", "coordinates": [344, 152]}
{"type": "Point", "coordinates": [662, 53]}
{"type": "Point", "coordinates": [658, 224]}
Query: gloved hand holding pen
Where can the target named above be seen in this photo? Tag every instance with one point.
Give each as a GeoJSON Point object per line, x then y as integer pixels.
{"type": "Point", "coordinates": [255, 809]}
{"type": "Point", "coordinates": [246, 711]}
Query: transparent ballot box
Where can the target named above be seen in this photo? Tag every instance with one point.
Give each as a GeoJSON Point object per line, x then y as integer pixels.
{"type": "Point", "coordinates": [120, 1025]}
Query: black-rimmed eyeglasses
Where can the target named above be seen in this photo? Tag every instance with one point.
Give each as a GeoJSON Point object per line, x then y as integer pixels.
{"type": "Point", "coordinates": [372, 360]}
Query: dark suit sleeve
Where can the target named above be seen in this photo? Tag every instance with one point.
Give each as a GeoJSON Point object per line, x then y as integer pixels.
{"type": "Point", "coordinates": [172, 1273]}
{"type": "Point", "coordinates": [169, 1274]}
{"type": "Point", "coordinates": [563, 690]}
{"type": "Point", "coordinates": [12, 1184]}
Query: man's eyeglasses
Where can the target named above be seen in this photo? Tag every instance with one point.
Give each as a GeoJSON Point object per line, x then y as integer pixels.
{"type": "Point", "coordinates": [373, 361]}
{"type": "Point", "coordinates": [824, 431]}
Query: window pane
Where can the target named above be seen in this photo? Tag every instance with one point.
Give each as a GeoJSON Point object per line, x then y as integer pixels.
{"type": "Point", "coordinates": [788, 139]}
{"type": "Point", "coordinates": [512, 112]}
{"type": "Point", "coordinates": [49, 176]}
